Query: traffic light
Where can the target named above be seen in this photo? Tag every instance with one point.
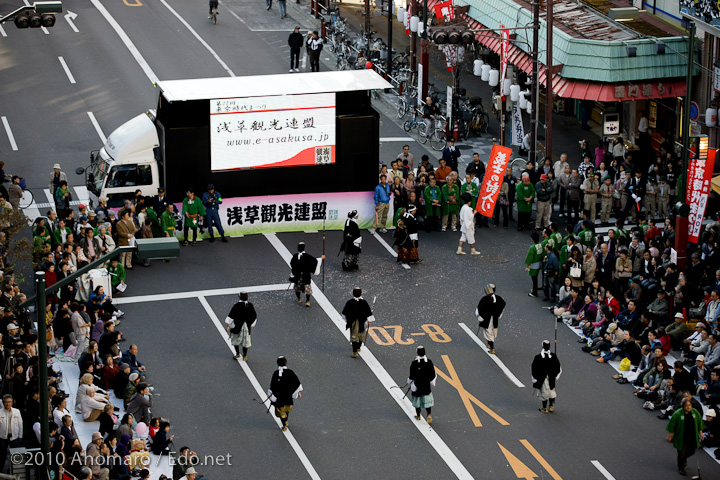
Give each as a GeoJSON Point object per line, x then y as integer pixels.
{"type": "Point", "coordinates": [451, 35]}
{"type": "Point", "coordinates": [40, 14]}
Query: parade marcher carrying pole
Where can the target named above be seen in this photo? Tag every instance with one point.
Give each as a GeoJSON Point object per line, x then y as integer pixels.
{"type": "Point", "coordinates": [284, 388]}
{"type": "Point", "coordinates": [302, 267]}
{"type": "Point", "coordinates": [240, 320]}
{"type": "Point", "coordinates": [358, 318]}
{"type": "Point", "coordinates": [422, 378]}
{"type": "Point", "coordinates": [546, 370]}
{"type": "Point", "coordinates": [490, 307]}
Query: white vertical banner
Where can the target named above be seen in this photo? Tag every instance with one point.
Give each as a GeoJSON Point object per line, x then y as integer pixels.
{"type": "Point", "coordinates": [449, 105]}
{"type": "Point", "coordinates": [518, 130]}
{"type": "Point", "coordinates": [420, 85]}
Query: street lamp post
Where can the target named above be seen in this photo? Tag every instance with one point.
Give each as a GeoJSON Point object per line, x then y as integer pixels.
{"type": "Point", "coordinates": [534, 93]}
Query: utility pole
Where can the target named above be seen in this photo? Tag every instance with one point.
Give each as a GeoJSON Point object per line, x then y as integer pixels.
{"type": "Point", "coordinates": [367, 30]}
{"type": "Point", "coordinates": [535, 83]}
{"type": "Point", "coordinates": [548, 79]}
{"type": "Point", "coordinates": [40, 316]}
{"type": "Point", "coordinates": [413, 37]}
{"type": "Point", "coordinates": [424, 54]}
{"type": "Point", "coordinates": [388, 69]}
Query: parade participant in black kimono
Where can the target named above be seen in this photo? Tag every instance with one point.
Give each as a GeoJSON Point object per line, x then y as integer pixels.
{"type": "Point", "coordinates": [302, 266]}
{"type": "Point", "coordinates": [358, 316]}
{"type": "Point", "coordinates": [546, 371]}
{"type": "Point", "coordinates": [489, 309]}
{"type": "Point", "coordinates": [406, 237]}
{"type": "Point", "coordinates": [240, 320]}
{"type": "Point", "coordinates": [351, 242]}
{"type": "Point", "coordinates": [422, 378]}
{"type": "Point", "coordinates": [284, 388]}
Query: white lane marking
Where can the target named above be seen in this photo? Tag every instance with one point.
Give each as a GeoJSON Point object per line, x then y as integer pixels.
{"type": "Point", "coordinates": [202, 293]}
{"type": "Point", "coordinates": [376, 367]}
{"type": "Point", "coordinates": [2, 31]}
{"type": "Point", "coordinates": [603, 470]}
{"type": "Point", "coordinates": [49, 196]}
{"type": "Point", "coordinates": [45, 30]}
{"type": "Point", "coordinates": [493, 357]}
{"type": "Point", "coordinates": [259, 390]}
{"type": "Point", "coordinates": [126, 40]}
{"type": "Point", "coordinates": [6, 124]}
{"type": "Point", "coordinates": [196, 35]}
{"type": "Point", "coordinates": [388, 248]}
{"type": "Point", "coordinates": [67, 70]}
{"type": "Point", "coordinates": [69, 17]}
{"type": "Point", "coordinates": [82, 194]}
{"type": "Point", "coordinates": [99, 131]}
{"type": "Point", "coordinates": [239, 18]}
{"type": "Point", "coordinates": [397, 139]}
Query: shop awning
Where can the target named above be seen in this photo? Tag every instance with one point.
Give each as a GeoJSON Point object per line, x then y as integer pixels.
{"type": "Point", "coordinates": [580, 89]}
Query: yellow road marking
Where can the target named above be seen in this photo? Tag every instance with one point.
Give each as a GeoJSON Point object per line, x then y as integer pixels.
{"type": "Point", "coordinates": [136, 4]}
{"type": "Point", "coordinates": [541, 460]}
{"type": "Point", "coordinates": [519, 468]}
{"type": "Point", "coordinates": [467, 398]}
{"type": "Point", "coordinates": [397, 335]}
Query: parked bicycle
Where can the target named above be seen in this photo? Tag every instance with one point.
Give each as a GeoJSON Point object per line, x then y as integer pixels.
{"type": "Point", "coordinates": [415, 124]}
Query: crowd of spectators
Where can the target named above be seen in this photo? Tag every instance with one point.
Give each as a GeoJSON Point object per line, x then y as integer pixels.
{"type": "Point", "coordinates": [82, 326]}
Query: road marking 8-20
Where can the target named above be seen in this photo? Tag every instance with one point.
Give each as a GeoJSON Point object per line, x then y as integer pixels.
{"type": "Point", "coordinates": [382, 337]}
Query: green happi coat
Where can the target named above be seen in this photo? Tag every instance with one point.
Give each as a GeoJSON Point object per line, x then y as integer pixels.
{"type": "Point", "coordinates": [587, 238]}
{"type": "Point", "coordinates": [450, 200]}
{"type": "Point", "coordinates": [472, 189]}
{"type": "Point", "coordinates": [534, 258]}
{"type": "Point", "coordinates": [524, 191]}
{"type": "Point", "coordinates": [431, 211]}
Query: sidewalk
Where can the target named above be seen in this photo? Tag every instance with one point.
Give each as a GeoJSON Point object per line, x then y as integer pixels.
{"type": "Point", "coordinates": [567, 131]}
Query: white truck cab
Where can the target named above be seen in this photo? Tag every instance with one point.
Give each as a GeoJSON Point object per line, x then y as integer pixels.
{"type": "Point", "coordinates": [127, 162]}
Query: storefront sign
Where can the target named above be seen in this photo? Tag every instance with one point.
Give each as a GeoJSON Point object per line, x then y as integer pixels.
{"type": "Point", "coordinates": [652, 115]}
{"type": "Point", "coordinates": [294, 213]}
{"type": "Point", "coordinates": [716, 76]}
{"type": "Point", "coordinates": [499, 158]}
{"type": "Point", "coordinates": [698, 188]}
{"type": "Point", "coordinates": [646, 90]}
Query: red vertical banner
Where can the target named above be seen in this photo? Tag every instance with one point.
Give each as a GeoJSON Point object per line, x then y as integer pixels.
{"type": "Point", "coordinates": [505, 53]}
{"type": "Point", "coordinates": [444, 10]}
{"type": "Point", "coordinates": [699, 178]}
{"type": "Point", "coordinates": [494, 173]}
{"type": "Point", "coordinates": [408, 16]}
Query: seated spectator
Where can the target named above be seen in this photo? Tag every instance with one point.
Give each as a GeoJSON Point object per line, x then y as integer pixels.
{"type": "Point", "coordinates": [570, 305]}
{"type": "Point", "coordinates": [109, 341]}
{"type": "Point", "coordinates": [664, 340]}
{"type": "Point", "coordinates": [712, 357]}
{"type": "Point", "coordinates": [652, 381]}
{"type": "Point", "coordinates": [140, 403]}
{"type": "Point", "coordinates": [660, 309]}
{"type": "Point", "coordinates": [94, 457]}
{"type": "Point", "coordinates": [596, 291]}
{"type": "Point", "coordinates": [711, 434]}
{"type": "Point", "coordinates": [586, 315]}
{"type": "Point", "coordinates": [628, 316]}
{"type": "Point", "coordinates": [86, 384]}
{"type": "Point", "coordinates": [161, 442]}
{"type": "Point", "coordinates": [91, 407]}
{"type": "Point", "coordinates": [125, 428]}
{"type": "Point", "coordinates": [699, 346]}
{"type": "Point", "coordinates": [712, 395]}
{"type": "Point", "coordinates": [184, 462]}
{"type": "Point", "coordinates": [59, 409]}
{"type": "Point", "coordinates": [131, 389]}
{"type": "Point", "coordinates": [700, 373]}
{"type": "Point", "coordinates": [682, 378]}
{"type": "Point", "coordinates": [130, 357]}
{"type": "Point", "coordinates": [121, 381]}
{"type": "Point", "coordinates": [612, 302]}
{"type": "Point", "coordinates": [634, 290]}
{"type": "Point", "coordinates": [107, 420]}
{"type": "Point", "coordinates": [67, 430]}
{"type": "Point", "coordinates": [106, 302]}
{"type": "Point", "coordinates": [628, 348]}
{"type": "Point", "coordinates": [109, 371]}
{"type": "Point", "coordinates": [678, 331]}
{"type": "Point", "coordinates": [613, 337]}
{"type": "Point", "coordinates": [647, 361]}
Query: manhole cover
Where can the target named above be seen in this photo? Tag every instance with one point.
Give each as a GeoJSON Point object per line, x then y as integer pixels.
{"type": "Point", "coordinates": [465, 147]}
{"type": "Point", "coordinates": [497, 259]}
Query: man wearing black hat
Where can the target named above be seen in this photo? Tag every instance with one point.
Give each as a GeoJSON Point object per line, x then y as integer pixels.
{"type": "Point", "coordinates": [351, 242]}
{"type": "Point", "coordinates": [302, 267]}
{"type": "Point", "coordinates": [406, 237]}
{"type": "Point", "coordinates": [358, 316]}
{"type": "Point", "coordinates": [490, 307]}
{"type": "Point", "coordinates": [284, 388]}
{"type": "Point", "coordinates": [422, 378]}
{"type": "Point", "coordinates": [212, 200]}
{"type": "Point", "coordinates": [240, 320]}
{"type": "Point", "coordinates": [161, 201]}
{"type": "Point", "coordinates": [546, 371]}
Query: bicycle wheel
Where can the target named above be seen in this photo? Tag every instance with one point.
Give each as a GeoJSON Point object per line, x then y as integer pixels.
{"type": "Point", "coordinates": [408, 125]}
{"type": "Point", "coordinates": [422, 132]}
{"type": "Point", "coordinates": [27, 199]}
{"type": "Point", "coordinates": [438, 139]}
{"type": "Point", "coordinates": [402, 108]}
{"type": "Point", "coordinates": [214, 16]}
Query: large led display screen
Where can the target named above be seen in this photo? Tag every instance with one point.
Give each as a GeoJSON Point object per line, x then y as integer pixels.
{"type": "Point", "coordinates": [269, 132]}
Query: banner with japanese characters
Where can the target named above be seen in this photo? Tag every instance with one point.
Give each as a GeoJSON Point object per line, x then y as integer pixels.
{"type": "Point", "coordinates": [698, 189]}
{"type": "Point", "coordinates": [444, 10]}
{"type": "Point", "coordinates": [293, 213]}
{"type": "Point", "coordinates": [505, 53]}
{"type": "Point", "coordinates": [518, 129]}
{"type": "Point", "coordinates": [494, 173]}
{"type": "Point", "coordinates": [277, 131]}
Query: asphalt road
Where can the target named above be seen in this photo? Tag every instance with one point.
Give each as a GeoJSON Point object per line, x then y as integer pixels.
{"type": "Point", "coordinates": [349, 421]}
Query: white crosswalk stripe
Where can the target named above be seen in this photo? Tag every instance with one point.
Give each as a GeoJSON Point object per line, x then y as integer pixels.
{"type": "Point", "coordinates": [36, 209]}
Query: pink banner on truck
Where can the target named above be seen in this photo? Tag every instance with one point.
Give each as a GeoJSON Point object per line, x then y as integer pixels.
{"type": "Point", "coordinates": [293, 213]}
